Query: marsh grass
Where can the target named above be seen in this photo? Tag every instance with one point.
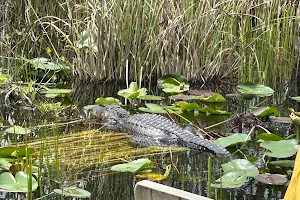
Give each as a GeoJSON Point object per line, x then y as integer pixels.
{"type": "Point", "coordinates": [250, 40]}
{"type": "Point", "coordinates": [86, 149]}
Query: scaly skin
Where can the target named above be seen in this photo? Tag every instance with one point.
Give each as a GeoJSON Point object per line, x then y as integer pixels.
{"type": "Point", "coordinates": [153, 129]}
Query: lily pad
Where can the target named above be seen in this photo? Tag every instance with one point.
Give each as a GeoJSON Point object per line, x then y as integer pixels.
{"type": "Point", "coordinates": [132, 92]}
{"type": "Point", "coordinates": [280, 149]}
{"type": "Point", "coordinates": [271, 179]}
{"type": "Point", "coordinates": [254, 89]}
{"type": "Point", "coordinates": [56, 92]}
{"type": "Point", "coordinates": [265, 111]}
{"type": "Point", "coordinates": [136, 165]}
{"type": "Point", "coordinates": [186, 106]}
{"type": "Point", "coordinates": [107, 100]}
{"type": "Point", "coordinates": [231, 140]}
{"type": "Point", "coordinates": [177, 77]}
{"type": "Point", "coordinates": [19, 183]}
{"type": "Point", "coordinates": [73, 192]}
{"type": "Point", "coordinates": [173, 84]}
{"type": "Point", "coordinates": [5, 163]}
{"type": "Point", "coordinates": [46, 64]}
{"type": "Point", "coordinates": [269, 136]}
{"type": "Point", "coordinates": [209, 110]}
{"type": "Point", "coordinates": [240, 165]}
{"type": "Point", "coordinates": [236, 173]}
{"type": "Point", "coordinates": [231, 180]}
{"type": "Point", "coordinates": [216, 98]}
{"type": "Point", "coordinates": [153, 108]}
{"type": "Point", "coordinates": [17, 130]}
{"type": "Point", "coordinates": [296, 98]}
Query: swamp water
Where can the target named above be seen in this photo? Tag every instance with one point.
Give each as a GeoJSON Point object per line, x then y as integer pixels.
{"type": "Point", "coordinates": [77, 154]}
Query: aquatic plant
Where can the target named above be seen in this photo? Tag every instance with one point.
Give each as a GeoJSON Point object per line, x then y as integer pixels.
{"type": "Point", "coordinates": [134, 40]}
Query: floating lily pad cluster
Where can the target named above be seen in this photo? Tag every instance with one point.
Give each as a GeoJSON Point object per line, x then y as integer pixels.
{"type": "Point", "coordinates": [173, 84]}
{"type": "Point", "coordinates": [250, 89]}
{"type": "Point", "coordinates": [275, 147]}
{"type": "Point", "coordinates": [236, 173]}
{"type": "Point", "coordinates": [134, 92]}
{"type": "Point", "coordinates": [14, 178]}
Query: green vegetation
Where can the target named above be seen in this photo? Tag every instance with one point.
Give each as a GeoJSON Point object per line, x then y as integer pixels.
{"type": "Point", "coordinates": [85, 147]}
{"type": "Point", "coordinates": [131, 40]}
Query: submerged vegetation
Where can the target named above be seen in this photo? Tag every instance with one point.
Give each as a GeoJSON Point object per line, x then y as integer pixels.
{"type": "Point", "coordinates": [104, 40]}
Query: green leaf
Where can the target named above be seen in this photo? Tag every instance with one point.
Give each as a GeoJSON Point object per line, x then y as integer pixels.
{"type": "Point", "coordinates": [17, 130]}
{"type": "Point", "coordinates": [173, 84]}
{"type": "Point", "coordinates": [236, 173]}
{"type": "Point", "coordinates": [269, 136]}
{"type": "Point", "coordinates": [15, 151]}
{"type": "Point", "coordinates": [253, 89]}
{"type": "Point", "coordinates": [153, 108]}
{"type": "Point", "coordinates": [19, 183]}
{"type": "Point", "coordinates": [4, 162]}
{"type": "Point", "coordinates": [231, 180]}
{"type": "Point", "coordinates": [215, 98]}
{"type": "Point", "coordinates": [136, 165]}
{"type": "Point", "coordinates": [56, 92]}
{"type": "Point", "coordinates": [265, 111]}
{"type": "Point", "coordinates": [132, 92]}
{"type": "Point", "coordinates": [280, 149]}
{"type": "Point", "coordinates": [293, 111]}
{"type": "Point", "coordinates": [231, 140]}
{"type": "Point", "coordinates": [46, 64]}
{"type": "Point", "coordinates": [241, 165]}
{"type": "Point", "coordinates": [252, 159]}
{"type": "Point", "coordinates": [107, 100]}
{"type": "Point", "coordinates": [209, 110]}
{"type": "Point", "coordinates": [186, 106]}
{"type": "Point", "coordinates": [296, 98]}
{"type": "Point", "coordinates": [178, 77]}
{"type": "Point", "coordinates": [151, 98]}
{"type": "Point", "coordinates": [73, 192]}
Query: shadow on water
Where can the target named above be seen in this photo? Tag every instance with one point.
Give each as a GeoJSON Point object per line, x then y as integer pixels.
{"type": "Point", "coordinates": [103, 184]}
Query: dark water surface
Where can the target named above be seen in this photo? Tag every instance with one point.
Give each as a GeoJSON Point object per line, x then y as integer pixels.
{"type": "Point", "coordinates": [119, 186]}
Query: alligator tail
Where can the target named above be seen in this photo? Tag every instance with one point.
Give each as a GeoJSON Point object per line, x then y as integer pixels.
{"type": "Point", "coordinates": [201, 144]}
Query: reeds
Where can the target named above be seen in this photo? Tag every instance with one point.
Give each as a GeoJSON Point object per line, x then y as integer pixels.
{"type": "Point", "coordinates": [251, 40]}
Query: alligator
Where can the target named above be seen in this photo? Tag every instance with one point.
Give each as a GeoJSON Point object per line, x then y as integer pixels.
{"type": "Point", "coordinates": [154, 130]}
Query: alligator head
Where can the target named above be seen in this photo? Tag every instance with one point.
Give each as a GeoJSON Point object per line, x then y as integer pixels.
{"type": "Point", "coordinates": [110, 115]}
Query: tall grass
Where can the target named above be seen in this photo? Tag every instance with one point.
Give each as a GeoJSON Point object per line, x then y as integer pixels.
{"type": "Point", "coordinates": [250, 40]}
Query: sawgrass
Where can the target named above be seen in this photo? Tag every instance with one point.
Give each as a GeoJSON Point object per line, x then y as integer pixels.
{"type": "Point", "coordinates": [250, 40]}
